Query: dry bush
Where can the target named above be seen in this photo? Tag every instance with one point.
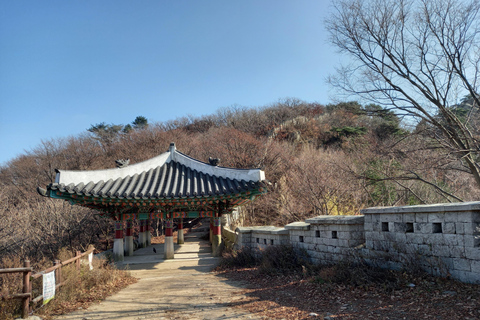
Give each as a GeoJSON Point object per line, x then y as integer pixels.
{"type": "Point", "coordinates": [243, 258]}
{"type": "Point", "coordinates": [80, 288]}
{"type": "Point", "coordinates": [318, 184]}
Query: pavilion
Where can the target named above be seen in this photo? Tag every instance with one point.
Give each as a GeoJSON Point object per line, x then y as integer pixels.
{"type": "Point", "coordinates": [169, 186]}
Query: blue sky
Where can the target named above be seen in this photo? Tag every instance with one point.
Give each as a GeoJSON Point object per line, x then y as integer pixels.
{"type": "Point", "coordinates": [65, 65]}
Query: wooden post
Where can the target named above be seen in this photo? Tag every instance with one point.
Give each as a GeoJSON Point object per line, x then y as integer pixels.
{"type": "Point", "coordinates": [77, 263]}
{"type": "Point", "coordinates": [26, 289]}
{"type": "Point", "coordinates": [58, 272]}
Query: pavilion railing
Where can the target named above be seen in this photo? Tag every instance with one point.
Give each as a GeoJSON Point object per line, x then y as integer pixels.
{"type": "Point", "coordinates": [28, 302]}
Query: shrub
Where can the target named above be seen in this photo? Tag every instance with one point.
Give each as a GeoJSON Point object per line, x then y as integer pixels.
{"type": "Point", "coordinates": [243, 258]}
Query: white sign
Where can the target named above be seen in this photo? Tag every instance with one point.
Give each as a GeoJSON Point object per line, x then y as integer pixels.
{"type": "Point", "coordinates": [48, 287]}
{"type": "Point", "coordinates": [90, 260]}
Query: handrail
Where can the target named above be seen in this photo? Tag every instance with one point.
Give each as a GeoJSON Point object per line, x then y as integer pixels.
{"type": "Point", "coordinates": [13, 270]}
{"type": "Point", "coordinates": [63, 263]}
{"type": "Point", "coordinates": [26, 295]}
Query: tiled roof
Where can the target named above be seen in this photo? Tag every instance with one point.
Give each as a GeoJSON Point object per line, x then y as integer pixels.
{"type": "Point", "coordinates": [168, 176]}
{"type": "Point", "coordinates": [171, 180]}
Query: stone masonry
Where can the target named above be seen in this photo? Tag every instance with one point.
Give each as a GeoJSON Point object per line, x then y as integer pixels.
{"type": "Point", "coordinates": [442, 239]}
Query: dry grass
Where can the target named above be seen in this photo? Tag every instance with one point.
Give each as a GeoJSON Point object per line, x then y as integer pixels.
{"type": "Point", "coordinates": [81, 287]}
{"type": "Point", "coordinates": [347, 291]}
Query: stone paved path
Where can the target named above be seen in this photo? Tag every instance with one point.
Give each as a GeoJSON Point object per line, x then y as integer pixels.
{"type": "Point", "coordinates": [182, 288]}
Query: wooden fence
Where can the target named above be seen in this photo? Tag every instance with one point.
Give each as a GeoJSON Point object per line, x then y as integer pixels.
{"type": "Point", "coordinates": [28, 301]}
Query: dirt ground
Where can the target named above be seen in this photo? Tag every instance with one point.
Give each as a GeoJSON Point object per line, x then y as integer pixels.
{"type": "Point", "coordinates": [186, 288]}
{"type": "Point", "coordinates": [183, 288]}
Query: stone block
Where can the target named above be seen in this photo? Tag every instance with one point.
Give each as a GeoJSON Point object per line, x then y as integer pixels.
{"type": "Point", "coordinates": [357, 235]}
{"type": "Point", "coordinates": [435, 238]}
{"type": "Point", "coordinates": [436, 217]}
{"type": "Point", "coordinates": [472, 241]}
{"type": "Point", "coordinates": [451, 217]}
{"type": "Point", "coordinates": [415, 238]}
{"type": "Point", "coordinates": [476, 216]}
{"type": "Point", "coordinates": [331, 242]}
{"type": "Point", "coordinates": [450, 239]}
{"type": "Point", "coordinates": [369, 235]}
{"type": "Point", "coordinates": [399, 237]}
{"type": "Point", "coordinates": [323, 241]}
{"type": "Point", "coordinates": [355, 243]}
{"type": "Point", "coordinates": [472, 228]}
{"type": "Point", "coordinates": [322, 248]}
{"type": "Point", "coordinates": [465, 276]}
{"type": "Point", "coordinates": [448, 251]}
{"type": "Point", "coordinates": [472, 253]}
{"type": "Point", "coordinates": [423, 227]}
{"type": "Point", "coordinates": [393, 217]}
{"type": "Point", "coordinates": [445, 263]}
{"type": "Point", "coordinates": [399, 227]}
{"type": "Point", "coordinates": [462, 264]}
{"type": "Point", "coordinates": [442, 251]}
{"type": "Point", "coordinates": [460, 240]}
{"type": "Point", "coordinates": [379, 235]}
{"type": "Point", "coordinates": [343, 243]}
{"type": "Point", "coordinates": [424, 249]}
{"type": "Point", "coordinates": [475, 266]}
{"type": "Point", "coordinates": [369, 244]}
{"type": "Point", "coordinates": [465, 216]}
{"type": "Point", "coordinates": [459, 227]}
{"type": "Point", "coordinates": [334, 250]}
{"type": "Point", "coordinates": [368, 226]}
{"type": "Point", "coordinates": [368, 218]}
{"type": "Point", "coordinates": [374, 217]}
{"type": "Point", "coordinates": [448, 227]}
{"type": "Point", "coordinates": [421, 217]}
{"type": "Point", "coordinates": [408, 217]}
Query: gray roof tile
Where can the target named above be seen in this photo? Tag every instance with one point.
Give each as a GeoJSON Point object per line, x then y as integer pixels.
{"type": "Point", "coordinates": [171, 180]}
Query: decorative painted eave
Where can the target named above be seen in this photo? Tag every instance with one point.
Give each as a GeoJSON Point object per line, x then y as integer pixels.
{"type": "Point", "coordinates": [165, 181]}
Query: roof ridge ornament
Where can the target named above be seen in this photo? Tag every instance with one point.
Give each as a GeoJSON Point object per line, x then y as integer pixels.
{"type": "Point", "coordinates": [213, 161]}
{"type": "Point", "coordinates": [122, 163]}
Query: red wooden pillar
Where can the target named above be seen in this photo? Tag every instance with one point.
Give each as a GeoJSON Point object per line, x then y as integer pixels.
{"type": "Point", "coordinates": [142, 235]}
{"type": "Point", "coordinates": [148, 235]}
{"type": "Point", "coordinates": [211, 231]}
{"type": "Point", "coordinates": [169, 252]}
{"type": "Point", "coordinates": [217, 234]}
{"type": "Point", "coordinates": [180, 238]}
{"type": "Point", "coordinates": [129, 238]}
{"type": "Point", "coordinates": [118, 250]}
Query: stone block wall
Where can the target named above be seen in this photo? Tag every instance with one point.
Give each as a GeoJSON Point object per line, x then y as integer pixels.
{"type": "Point", "coordinates": [443, 239]}
{"type": "Point", "coordinates": [261, 237]}
{"type": "Point", "coordinates": [327, 238]}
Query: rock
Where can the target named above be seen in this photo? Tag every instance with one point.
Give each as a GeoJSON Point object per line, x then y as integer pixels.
{"type": "Point", "coordinates": [30, 318]}
{"type": "Point", "coordinates": [449, 293]}
{"type": "Point", "coordinates": [313, 315]}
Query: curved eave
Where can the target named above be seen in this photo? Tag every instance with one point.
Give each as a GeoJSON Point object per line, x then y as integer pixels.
{"type": "Point", "coordinates": [68, 177]}
{"type": "Point", "coordinates": [117, 205]}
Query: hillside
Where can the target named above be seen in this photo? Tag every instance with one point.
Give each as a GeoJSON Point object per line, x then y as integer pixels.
{"type": "Point", "coordinates": [333, 159]}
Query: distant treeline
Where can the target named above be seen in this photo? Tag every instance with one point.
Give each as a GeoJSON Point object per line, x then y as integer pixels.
{"type": "Point", "coordinates": [319, 159]}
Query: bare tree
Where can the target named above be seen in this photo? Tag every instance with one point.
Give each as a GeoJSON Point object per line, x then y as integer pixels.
{"type": "Point", "coordinates": [419, 57]}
